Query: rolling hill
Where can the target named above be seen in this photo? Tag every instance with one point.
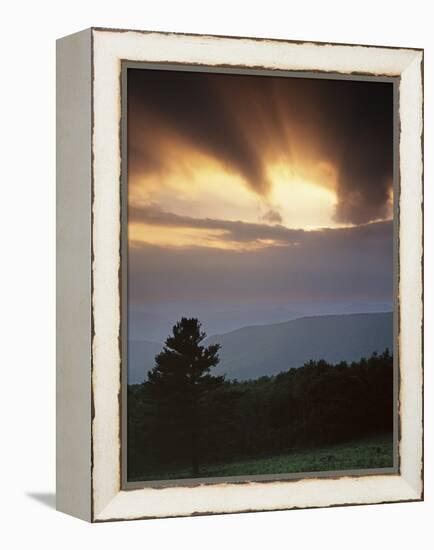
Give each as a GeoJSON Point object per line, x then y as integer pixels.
{"type": "Point", "coordinates": [255, 351]}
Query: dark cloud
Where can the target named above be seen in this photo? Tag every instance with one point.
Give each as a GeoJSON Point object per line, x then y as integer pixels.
{"type": "Point", "coordinates": [243, 232]}
{"type": "Point", "coordinates": [243, 120]}
{"type": "Point", "coordinates": [194, 109]}
{"type": "Point", "coordinates": [236, 231]}
{"type": "Point", "coordinates": [362, 125]}
{"type": "Point", "coordinates": [354, 264]}
{"type": "Point", "coordinates": [272, 216]}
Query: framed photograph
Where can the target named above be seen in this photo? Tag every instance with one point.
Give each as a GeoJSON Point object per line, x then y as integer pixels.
{"type": "Point", "coordinates": [239, 274]}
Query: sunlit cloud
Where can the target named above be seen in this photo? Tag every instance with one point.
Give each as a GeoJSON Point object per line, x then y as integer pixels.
{"type": "Point", "coordinates": [227, 133]}
{"type": "Point", "coordinates": [151, 225]}
{"type": "Point", "coordinates": [139, 233]}
{"type": "Point", "coordinates": [204, 190]}
{"type": "Point", "coordinates": [197, 186]}
{"type": "Point", "coordinates": [303, 203]}
{"type": "Point", "coordinates": [258, 188]}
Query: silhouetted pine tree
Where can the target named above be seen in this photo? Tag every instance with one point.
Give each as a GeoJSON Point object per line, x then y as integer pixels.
{"type": "Point", "coordinates": [179, 385]}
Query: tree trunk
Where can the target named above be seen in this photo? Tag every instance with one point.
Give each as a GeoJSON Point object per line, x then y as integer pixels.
{"type": "Point", "coordinates": [194, 453]}
{"type": "Point", "coordinates": [195, 434]}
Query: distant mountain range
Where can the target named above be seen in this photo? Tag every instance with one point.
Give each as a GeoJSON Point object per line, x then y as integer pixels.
{"type": "Point", "coordinates": [254, 351]}
{"type": "Point", "coordinates": [154, 322]}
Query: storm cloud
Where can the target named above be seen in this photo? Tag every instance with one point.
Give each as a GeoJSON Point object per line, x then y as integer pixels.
{"type": "Point", "coordinates": [247, 122]}
{"type": "Point", "coordinates": [334, 264]}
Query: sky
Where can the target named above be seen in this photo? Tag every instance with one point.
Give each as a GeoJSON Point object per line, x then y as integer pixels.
{"type": "Point", "coordinates": [256, 198]}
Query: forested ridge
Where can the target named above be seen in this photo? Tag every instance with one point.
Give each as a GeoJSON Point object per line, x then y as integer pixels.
{"type": "Point", "coordinates": [184, 418]}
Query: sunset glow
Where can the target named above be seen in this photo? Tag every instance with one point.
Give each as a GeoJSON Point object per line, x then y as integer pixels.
{"type": "Point", "coordinates": [285, 173]}
{"type": "Point", "coordinates": [266, 187]}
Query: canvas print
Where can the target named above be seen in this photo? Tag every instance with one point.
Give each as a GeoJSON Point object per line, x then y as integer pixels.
{"type": "Point", "coordinates": [260, 275]}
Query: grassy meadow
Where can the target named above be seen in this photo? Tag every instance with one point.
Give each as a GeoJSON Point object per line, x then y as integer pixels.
{"type": "Point", "coordinates": [370, 452]}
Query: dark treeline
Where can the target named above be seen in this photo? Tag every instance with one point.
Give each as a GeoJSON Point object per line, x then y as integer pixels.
{"type": "Point", "coordinates": [315, 404]}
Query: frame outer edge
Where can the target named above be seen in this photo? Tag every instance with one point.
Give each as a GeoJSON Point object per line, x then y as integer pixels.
{"type": "Point", "coordinates": [73, 275]}
{"type": "Point", "coordinates": [411, 273]}
{"type": "Point", "coordinates": [114, 508]}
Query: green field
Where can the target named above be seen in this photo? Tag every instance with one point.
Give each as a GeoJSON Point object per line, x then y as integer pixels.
{"type": "Point", "coordinates": [373, 452]}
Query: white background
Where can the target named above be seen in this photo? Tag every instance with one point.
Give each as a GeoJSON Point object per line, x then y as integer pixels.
{"type": "Point", "coordinates": [27, 299]}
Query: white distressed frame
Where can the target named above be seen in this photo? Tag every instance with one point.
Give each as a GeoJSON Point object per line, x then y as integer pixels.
{"type": "Point", "coordinates": [109, 48]}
